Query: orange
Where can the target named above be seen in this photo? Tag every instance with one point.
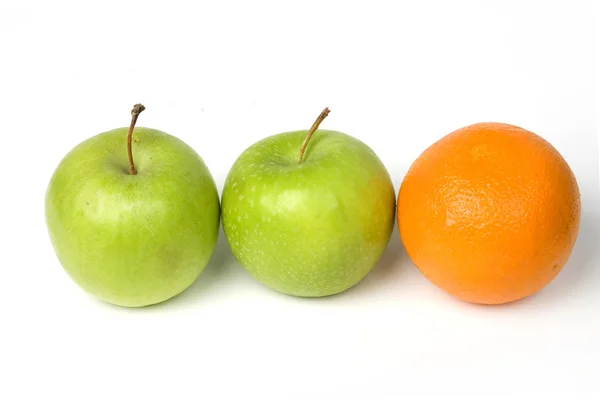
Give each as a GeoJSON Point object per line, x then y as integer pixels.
{"type": "Point", "coordinates": [489, 213]}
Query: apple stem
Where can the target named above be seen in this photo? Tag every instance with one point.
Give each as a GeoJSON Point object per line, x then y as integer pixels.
{"type": "Point", "coordinates": [137, 109]}
{"type": "Point", "coordinates": [312, 130]}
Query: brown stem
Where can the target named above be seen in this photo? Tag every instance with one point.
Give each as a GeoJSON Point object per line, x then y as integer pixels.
{"type": "Point", "coordinates": [312, 130]}
{"type": "Point", "coordinates": [137, 109]}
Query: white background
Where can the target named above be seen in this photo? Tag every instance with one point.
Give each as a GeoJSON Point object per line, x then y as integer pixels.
{"type": "Point", "coordinates": [221, 75]}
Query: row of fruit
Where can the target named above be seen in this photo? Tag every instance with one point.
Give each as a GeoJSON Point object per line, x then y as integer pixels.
{"type": "Point", "coordinates": [489, 213]}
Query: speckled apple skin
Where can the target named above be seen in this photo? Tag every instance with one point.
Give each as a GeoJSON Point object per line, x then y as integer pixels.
{"type": "Point", "coordinates": [308, 229]}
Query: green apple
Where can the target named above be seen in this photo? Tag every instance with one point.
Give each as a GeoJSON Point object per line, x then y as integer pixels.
{"type": "Point", "coordinates": [308, 213]}
{"type": "Point", "coordinates": [133, 234]}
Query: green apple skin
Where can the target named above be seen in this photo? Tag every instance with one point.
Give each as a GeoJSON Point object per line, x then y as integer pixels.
{"type": "Point", "coordinates": [308, 229]}
{"type": "Point", "coordinates": [133, 240]}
